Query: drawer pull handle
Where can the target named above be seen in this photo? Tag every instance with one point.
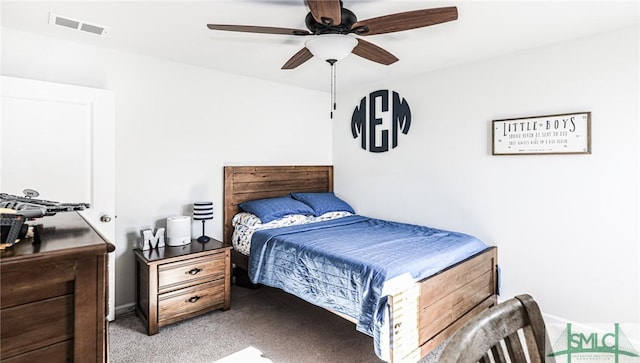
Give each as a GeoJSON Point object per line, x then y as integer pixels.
{"type": "Point", "coordinates": [193, 299]}
{"type": "Point", "coordinates": [194, 271]}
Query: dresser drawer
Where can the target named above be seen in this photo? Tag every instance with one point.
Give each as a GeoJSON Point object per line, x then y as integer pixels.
{"type": "Point", "coordinates": [36, 325]}
{"type": "Point", "coordinates": [25, 283]}
{"type": "Point", "coordinates": [180, 274]}
{"type": "Point", "coordinates": [57, 353]}
{"type": "Point", "coordinates": [197, 298]}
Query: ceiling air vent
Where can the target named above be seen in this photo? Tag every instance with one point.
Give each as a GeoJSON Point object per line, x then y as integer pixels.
{"type": "Point", "coordinates": [76, 24]}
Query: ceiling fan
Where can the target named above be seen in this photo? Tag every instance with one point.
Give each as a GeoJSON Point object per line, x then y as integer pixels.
{"type": "Point", "coordinates": [329, 19]}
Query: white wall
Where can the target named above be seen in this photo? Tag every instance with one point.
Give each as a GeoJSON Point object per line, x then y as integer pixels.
{"type": "Point", "coordinates": [566, 226]}
{"type": "Point", "coordinates": [176, 127]}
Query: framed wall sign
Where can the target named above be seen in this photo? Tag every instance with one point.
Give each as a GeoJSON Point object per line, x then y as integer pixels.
{"type": "Point", "coordinates": [554, 134]}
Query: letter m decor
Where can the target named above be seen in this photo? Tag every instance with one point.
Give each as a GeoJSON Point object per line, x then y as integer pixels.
{"type": "Point", "coordinates": [396, 113]}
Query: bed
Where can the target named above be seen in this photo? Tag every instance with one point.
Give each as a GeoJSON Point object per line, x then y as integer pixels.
{"type": "Point", "coordinates": [419, 316]}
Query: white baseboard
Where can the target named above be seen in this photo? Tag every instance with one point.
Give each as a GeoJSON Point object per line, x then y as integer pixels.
{"type": "Point", "coordinates": [125, 309]}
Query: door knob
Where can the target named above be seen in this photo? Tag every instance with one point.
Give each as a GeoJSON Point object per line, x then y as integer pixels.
{"type": "Point", "coordinates": [105, 218]}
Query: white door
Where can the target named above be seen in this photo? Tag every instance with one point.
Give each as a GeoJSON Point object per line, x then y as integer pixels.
{"type": "Point", "coordinates": [58, 139]}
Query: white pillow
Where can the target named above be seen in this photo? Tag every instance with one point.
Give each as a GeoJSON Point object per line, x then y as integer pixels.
{"type": "Point", "coordinates": [251, 220]}
{"type": "Point", "coordinates": [331, 215]}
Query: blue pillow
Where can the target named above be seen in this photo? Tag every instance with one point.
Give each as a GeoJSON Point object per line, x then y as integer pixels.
{"type": "Point", "coordinates": [323, 202]}
{"type": "Point", "coordinates": [270, 209]}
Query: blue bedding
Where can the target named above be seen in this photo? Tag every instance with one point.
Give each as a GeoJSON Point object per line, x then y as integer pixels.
{"type": "Point", "coordinates": [343, 264]}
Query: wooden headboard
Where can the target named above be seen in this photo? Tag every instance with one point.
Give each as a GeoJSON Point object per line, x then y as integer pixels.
{"type": "Point", "coordinates": [242, 183]}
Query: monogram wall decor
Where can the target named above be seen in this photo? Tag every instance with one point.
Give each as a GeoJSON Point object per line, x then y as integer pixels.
{"type": "Point", "coordinates": [368, 120]}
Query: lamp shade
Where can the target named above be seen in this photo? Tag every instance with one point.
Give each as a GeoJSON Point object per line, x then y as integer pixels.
{"type": "Point", "coordinates": [331, 46]}
{"type": "Point", "coordinates": [202, 211]}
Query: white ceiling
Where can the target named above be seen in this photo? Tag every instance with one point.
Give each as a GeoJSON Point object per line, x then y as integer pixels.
{"type": "Point", "coordinates": [176, 30]}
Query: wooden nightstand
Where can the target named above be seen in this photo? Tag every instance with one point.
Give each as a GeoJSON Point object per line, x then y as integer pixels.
{"type": "Point", "coordinates": [177, 283]}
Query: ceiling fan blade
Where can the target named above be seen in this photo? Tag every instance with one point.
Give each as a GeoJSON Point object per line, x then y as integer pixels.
{"type": "Point", "coordinates": [258, 29]}
{"type": "Point", "coordinates": [374, 53]}
{"type": "Point", "coordinates": [326, 11]}
{"type": "Point", "coordinates": [302, 56]}
{"type": "Point", "coordinates": [405, 21]}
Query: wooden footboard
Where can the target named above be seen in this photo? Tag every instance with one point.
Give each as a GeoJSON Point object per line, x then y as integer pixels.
{"type": "Point", "coordinates": [426, 315]}
{"type": "Point", "coordinates": [432, 310]}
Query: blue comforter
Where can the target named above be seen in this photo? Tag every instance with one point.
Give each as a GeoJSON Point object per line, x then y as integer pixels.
{"type": "Point", "coordinates": [343, 264]}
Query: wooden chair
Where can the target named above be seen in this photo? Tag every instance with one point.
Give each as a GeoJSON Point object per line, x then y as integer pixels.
{"type": "Point", "coordinates": [512, 331]}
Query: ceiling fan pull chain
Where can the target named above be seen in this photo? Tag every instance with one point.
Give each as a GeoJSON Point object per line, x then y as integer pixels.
{"type": "Point", "coordinates": [332, 89]}
{"type": "Point", "coordinates": [332, 62]}
{"type": "Point", "coordinates": [335, 85]}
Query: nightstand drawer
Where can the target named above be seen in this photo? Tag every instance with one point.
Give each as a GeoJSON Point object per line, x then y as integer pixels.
{"type": "Point", "coordinates": [176, 275]}
{"type": "Point", "coordinates": [174, 304]}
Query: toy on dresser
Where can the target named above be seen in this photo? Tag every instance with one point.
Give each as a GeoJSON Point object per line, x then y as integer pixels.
{"type": "Point", "coordinates": [16, 210]}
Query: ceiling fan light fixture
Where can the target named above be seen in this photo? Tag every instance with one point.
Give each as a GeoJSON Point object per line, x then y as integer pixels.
{"type": "Point", "coordinates": [331, 46]}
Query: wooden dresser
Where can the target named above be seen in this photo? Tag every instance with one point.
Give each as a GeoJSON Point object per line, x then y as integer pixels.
{"type": "Point", "coordinates": [177, 283]}
{"type": "Point", "coordinates": [53, 294]}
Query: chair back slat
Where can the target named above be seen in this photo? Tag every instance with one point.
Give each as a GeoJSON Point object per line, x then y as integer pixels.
{"type": "Point", "coordinates": [498, 354]}
{"type": "Point", "coordinates": [532, 345]}
{"type": "Point", "coordinates": [514, 347]}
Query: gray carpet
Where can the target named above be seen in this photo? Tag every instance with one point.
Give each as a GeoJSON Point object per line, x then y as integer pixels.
{"type": "Point", "coordinates": [264, 325]}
